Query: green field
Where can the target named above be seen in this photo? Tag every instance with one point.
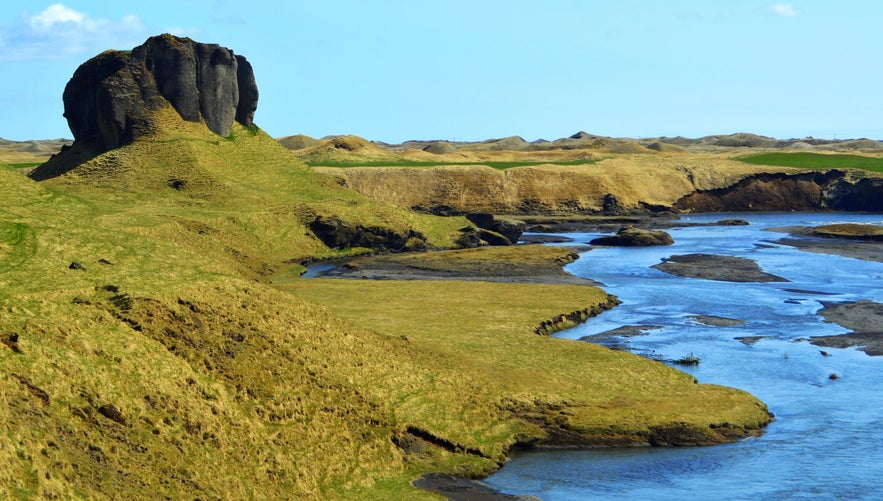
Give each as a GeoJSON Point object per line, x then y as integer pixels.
{"type": "Point", "coordinates": [418, 163]}
{"type": "Point", "coordinates": [815, 161]}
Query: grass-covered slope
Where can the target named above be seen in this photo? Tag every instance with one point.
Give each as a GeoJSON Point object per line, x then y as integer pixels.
{"type": "Point", "coordinates": [819, 161]}
{"type": "Point", "coordinates": [158, 367]}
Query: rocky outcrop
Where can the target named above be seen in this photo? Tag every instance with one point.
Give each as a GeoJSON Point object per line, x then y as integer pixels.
{"type": "Point", "coordinates": [629, 236]}
{"type": "Point", "coordinates": [865, 194]}
{"type": "Point", "coordinates": [109, 100]}
{"type": "Point", "coordinates": [833, 189]}
{"type": "Point", "coordinates": [764, 192]}
{"type": "Point", "coordinates": [509, 229]}
{"type": "Point", "coordinates": [338, 234]}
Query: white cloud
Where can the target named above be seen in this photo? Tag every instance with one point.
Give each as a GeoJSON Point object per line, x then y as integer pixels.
{"type": "Point", "coordinates": [56, 13]}
{"type": "Point", "coordinates": [784, 10]}
{"type": "Point", "coordinates": [60, 32]}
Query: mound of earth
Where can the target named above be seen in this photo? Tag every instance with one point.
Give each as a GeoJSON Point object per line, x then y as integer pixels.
{"type": "Point", "coordinates": [860, 144]}
{"type": "Point", "coordinates": [345, 149]}
{"type": "Point", "coordinates": [666, 148]}
{"type": "Point", "coordinates": [742, 140]}
{"type": "Point", "coordinates": [629, 236]}
{"type": "Point", "coordinates": [714, 267]}
{"type": "Point", "coordinates": [440, 148]}
{"type": "Point", "coordinates": [298, 141]}
{"type": "Point", "coordinates": [627, 147]}
{"type": "Point", "coordinates": [511, 143]}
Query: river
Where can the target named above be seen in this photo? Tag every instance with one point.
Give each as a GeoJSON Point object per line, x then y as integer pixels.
{"type": "Point", "coordinates": [826, 440]}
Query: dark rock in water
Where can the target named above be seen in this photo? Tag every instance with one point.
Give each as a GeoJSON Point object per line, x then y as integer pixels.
{"type": "Point", "coordinates": [750, 340]}
{"type": "Point", "coordinates": [716, 321]}
{"type": "Point", "coordinates": [629, 236]}
{"type": "Point", "coordinates": [690, 359]}
{"type": "Point", "coordinates": [109, 100]}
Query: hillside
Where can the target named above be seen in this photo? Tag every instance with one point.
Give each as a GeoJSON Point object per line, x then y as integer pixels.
{"type": "Point", "coordinates": [158, 341]}
{"type": "Point", "coordinates": [586, 174]}
{"type": "Point", "coordinates": [160, 345]}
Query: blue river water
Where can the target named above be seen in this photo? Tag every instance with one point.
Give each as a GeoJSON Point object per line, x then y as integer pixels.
{"type": "Point", "coordinates": [826, 441]}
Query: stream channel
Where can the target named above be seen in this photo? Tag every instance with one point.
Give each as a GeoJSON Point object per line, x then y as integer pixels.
{"type": "Point", "coordinates": [826, 440]}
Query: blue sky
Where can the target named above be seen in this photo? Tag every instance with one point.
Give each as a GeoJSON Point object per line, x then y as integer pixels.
{"type": "Point", "coordinates": [479, 69]}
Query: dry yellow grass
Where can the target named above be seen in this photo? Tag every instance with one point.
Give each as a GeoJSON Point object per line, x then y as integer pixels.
{"type": "Point", "coordinates": [657, 179]}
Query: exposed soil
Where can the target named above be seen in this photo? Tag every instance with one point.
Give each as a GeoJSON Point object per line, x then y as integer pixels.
{"type": "Point", "coordinates": [805, 239]}
{"type": "Point", "coordinates": [716, 321]}
{"type": "Point", "coordinates": [463, 489]}
{"type": "Point", "coordinates": [864, 318]}
{"type": "Point", "coordinates": [394, 267]}
{"type": "Point", "coordinates": [714, 267]}
{"type": "Point", "coordinates": [624, 331]}
{"type": "Point", "coordinates": [617, 339]}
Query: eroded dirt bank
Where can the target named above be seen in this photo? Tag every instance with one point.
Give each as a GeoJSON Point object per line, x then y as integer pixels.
{"type": "Point", "coordinates": [616, 186]}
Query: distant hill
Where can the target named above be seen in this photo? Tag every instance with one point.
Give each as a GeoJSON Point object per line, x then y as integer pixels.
{"type": "Point", "coordinates": [585, 141]}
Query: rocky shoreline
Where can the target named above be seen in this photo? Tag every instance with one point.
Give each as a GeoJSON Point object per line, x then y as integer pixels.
{"type": "Point", "coordinates": [486, 264]}
{"type": "Point", "coordinates": [865, 320]}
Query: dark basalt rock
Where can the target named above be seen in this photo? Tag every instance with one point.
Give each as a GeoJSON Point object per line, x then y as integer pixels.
{"type": "Point", "coordinates": [629, 236]}
{"type": "Point", "coordinates": [109, 100]}
{"type": "Point", "coordinates": [833, 189]}
{"type": "Point", "coordinates": [509, 229]}
{"type": "Point", "coordinates": [338, 234]}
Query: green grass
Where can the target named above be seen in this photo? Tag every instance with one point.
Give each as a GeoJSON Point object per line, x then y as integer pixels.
{"type": "Point", "coordinates": [24, 165]}
{"type": "Point", "coordinates": [224, 387]}
{"type": "Point", "coordinates": [419, 163]}
{"type": "Point", "coordinates": [815, 161]}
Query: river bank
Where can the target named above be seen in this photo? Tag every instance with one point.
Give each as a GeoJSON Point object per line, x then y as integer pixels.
{"type": "Point", "coordinates": [823, 397]}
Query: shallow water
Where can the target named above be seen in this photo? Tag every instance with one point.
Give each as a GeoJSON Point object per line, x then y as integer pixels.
{"type": "Point", "coordinates": [825, 442]}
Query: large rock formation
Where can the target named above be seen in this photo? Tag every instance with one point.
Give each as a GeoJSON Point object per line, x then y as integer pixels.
{"type": "Point", "coordinates": [109, 98]}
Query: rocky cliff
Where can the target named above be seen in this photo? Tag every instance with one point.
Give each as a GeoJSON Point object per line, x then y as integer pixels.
{"type": "Point", "coordinates": [110, 98]}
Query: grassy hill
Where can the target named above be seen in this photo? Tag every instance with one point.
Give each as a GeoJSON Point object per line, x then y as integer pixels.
{"type": "Point", "coordinates": [145, 355]}
{"type": "Point", "coordinates": [820, 161]}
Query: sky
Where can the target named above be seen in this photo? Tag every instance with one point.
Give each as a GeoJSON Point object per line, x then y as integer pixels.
{"type": "Point", "coordinates": [470, 70]}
